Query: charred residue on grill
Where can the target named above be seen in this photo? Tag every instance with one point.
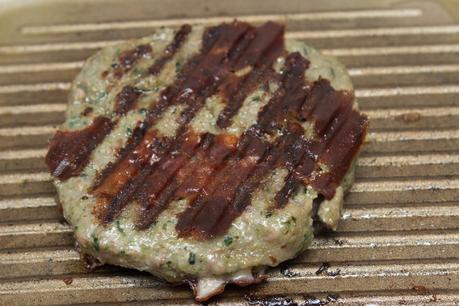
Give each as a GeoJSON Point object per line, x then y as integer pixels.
{"type": "Point", "coordinates": [285, 271]}
{"type": "Point", "coordinates": [324, 270]}
{"type": "Point", "coordinates": [270, 301]}
{"type": "Point", "coordinates": [310, 300]}
{"type": "Point", "coordinates": [69, 151]}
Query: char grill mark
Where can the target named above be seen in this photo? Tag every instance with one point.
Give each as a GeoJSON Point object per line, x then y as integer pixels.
{"type": "Point", "coordinates": [171, 49]}
{"type": "Point", "coordinates": [134, 139]}
{"type": "Point", "coordinates": [128, 58]}
{"type": "Point", "coordinates": [121, 179]}
{"type": "Point", "coordinates": [338, 155]}
{"type": "Point", "coordinates": [200, 78]}
{"type": "Point", "coordinates": [288, 98]}
{"type": "Point", "coordinates": [126, 99]}
{"type": "Point", "coordinates": [231, 61]}
{"type": "Point", "coordinates": [231, 189]}
{"type": "Point", "coordinates": [69, 151]}
{"type": "Point", "coordinates": [340, 133]}
{"type": "Point", "coordinates": [259, 48]}
{"type": "Point", "coordinates": [202, 217]}
{"type": "Point", "coordinates": [188, 181]}
{"type": "Point", "coordinates": [157, 191]}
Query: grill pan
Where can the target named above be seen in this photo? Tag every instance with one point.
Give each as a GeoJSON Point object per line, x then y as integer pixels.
{"type": "Point", "coordinates": [398, 242]}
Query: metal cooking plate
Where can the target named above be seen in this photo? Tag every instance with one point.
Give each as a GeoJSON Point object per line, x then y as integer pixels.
{"type": "Point", "coordinates": [398, 242]}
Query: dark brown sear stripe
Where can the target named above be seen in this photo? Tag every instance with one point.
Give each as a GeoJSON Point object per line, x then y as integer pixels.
{"type": "Point", "coordinates": [135, 138]}
{"type": "Point", "coordinates": [69, 151]}
{"type": "Point", "coordinates": [340, 133]}
{"type": "Point", "coordinates": [171, 49]}
{"type": "Point", "coordinates": [259, 49]}
{"type": "Point", "coordinates": [287, 100]}
{"type": "Point", "coordinates": [128, 58]}
{"type": "Point", "coordinates": [159, 188]}
{"type": "Point", "coordinates": [199, 219]}
{"type": "Point", "coordinates": [117, 187]}
{"type": "Point", "coordinates": [126, 99]}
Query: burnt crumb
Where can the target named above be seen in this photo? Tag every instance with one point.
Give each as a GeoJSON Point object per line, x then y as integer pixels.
{"type": "Point", "coordinates": [332, 297]}
{"type": "Point", "coordinates": [285, 271]}
{"type": "Point", "coordinates": [87, 111]}
{"type": "Point", "coordinates": [270, 301]}
{"type": "Point", "coordinates": [334, 273]}
{"type": "Point", "coordinates": [68, 280]}
{"type": "Point", "coordinates": [323, 268]}
{"type": "Point", "coordinates": [338, 242]}
{"type": "Point", "coordinates": [59, 208]}
{"type": "Point", "coordinates": [104, 74]}
{"type": "Point", "coordinates": [90, 262]}
{"type": "Point", "coordinates": [409, 117]}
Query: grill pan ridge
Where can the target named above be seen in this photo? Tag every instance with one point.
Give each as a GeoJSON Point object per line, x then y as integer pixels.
{"type": "Point", "coordinates": [398, 241]}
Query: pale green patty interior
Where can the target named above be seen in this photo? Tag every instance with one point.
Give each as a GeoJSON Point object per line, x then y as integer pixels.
{"type": "Point", "coordinates": [255, 239]}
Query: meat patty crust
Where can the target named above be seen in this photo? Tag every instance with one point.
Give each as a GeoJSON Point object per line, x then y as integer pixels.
{"type": "Point", "coordinates": [205, 154]}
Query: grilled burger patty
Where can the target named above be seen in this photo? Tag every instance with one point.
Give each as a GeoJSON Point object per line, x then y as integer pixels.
{"type": "Point", "coordinates": [204, 154]}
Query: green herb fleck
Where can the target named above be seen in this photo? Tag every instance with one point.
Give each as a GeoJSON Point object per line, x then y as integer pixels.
{"type": "Point", "coordinates": [129, 131]}
{"type": "Point", "coordinates": [143, 111]}
{"type": "Point", "coordinates": [192, 258]}
{"type": "Point", "coordinates": [95, 242]}
{"type": "Point", "coordinates": [164, 225]}
{"type": "Point", "coordinates": [101, 95]}
{"type": "Point", "coordinates": [178, 66]}
{"type": "Point", "coordinates": [118, 227]}
{"type": "Point", "coordinates": [289, 224]}
{"type": "Point", "coordinates": [256, 99]}
{"type": "Point", "coordinates": [228, 240]}
{"type": "Point", "coordinates": [74, 123]}
{"type": "Point", "coordinates": [139, 71]}
{"type": "Point", "coordinates": [268, 214]}
{"type": "Point", "coordinates": [332, 72]}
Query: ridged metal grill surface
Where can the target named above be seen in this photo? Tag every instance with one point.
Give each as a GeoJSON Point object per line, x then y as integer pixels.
{"type": "Point", "coordinates": [398, 242]}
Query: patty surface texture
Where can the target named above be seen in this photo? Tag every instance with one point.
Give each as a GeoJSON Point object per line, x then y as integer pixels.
{"type": "Point", "coordinates": [205, 154]}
